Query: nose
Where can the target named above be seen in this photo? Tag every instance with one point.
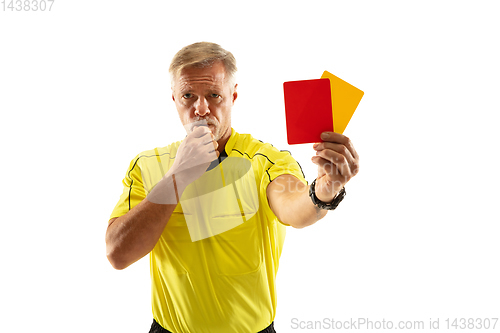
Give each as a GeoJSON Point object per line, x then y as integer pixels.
{"type": "Point", "coordinates": [201, 107]}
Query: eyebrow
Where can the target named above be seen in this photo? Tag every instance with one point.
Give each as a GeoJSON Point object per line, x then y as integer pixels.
{"type": "Point", "coordinates": [186, 88]}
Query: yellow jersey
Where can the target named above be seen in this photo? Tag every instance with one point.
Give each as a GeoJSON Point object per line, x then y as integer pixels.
{"type": "Point", "coordinates": [214, 267]}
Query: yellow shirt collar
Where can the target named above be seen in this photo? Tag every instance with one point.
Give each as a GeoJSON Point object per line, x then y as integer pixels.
{"type": "Point", "coordinates": [232, 140]}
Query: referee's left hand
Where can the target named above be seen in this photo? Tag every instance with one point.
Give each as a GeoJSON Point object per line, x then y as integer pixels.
{"type": "Point", "coordinates": [337, 162]}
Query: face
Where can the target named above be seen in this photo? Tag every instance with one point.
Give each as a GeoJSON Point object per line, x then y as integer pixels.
{"type": "Point", "coordinates": [205, 94]}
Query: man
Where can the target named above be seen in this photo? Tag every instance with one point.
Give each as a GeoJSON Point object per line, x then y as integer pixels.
{"type": "Point", "coordinates": [211, 210]}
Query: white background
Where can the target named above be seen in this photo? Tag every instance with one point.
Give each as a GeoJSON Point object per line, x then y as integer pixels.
{"type": "Point", "coordinates": [85, 87]}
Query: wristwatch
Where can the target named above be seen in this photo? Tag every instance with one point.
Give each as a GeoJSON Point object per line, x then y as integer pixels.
{"type": "Point", "coordinates": [326, 205]}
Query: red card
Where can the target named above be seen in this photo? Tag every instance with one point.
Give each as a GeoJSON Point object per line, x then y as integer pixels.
{"type": "Point", "coordinates": [308, 108]}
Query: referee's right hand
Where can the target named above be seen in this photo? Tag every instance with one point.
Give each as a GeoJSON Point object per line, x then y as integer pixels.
{"type": "Point", "coordinates": [194, 155]}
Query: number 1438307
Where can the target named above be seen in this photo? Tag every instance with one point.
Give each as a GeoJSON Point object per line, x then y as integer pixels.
{"type": "Point", "coordinates": [27, 5]}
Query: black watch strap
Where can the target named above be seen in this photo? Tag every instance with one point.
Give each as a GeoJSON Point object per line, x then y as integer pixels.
{"type": "Point", "coordinates": [324, 205]}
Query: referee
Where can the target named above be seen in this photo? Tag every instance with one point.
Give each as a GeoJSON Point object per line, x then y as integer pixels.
{"type": "Point", "coordinates": [211, 210]}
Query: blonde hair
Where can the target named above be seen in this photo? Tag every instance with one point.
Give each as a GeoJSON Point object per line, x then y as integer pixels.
{"type": "Point", "coordinates": [201, 55]}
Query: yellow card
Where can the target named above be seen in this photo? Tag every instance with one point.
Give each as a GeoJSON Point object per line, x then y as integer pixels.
{"type": "Point", "coordinates": [345, 100]}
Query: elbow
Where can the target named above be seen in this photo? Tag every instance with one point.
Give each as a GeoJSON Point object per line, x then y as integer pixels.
{"type": "Point", "coordinates": [294, 223]}
{"type": "Point", "coordinates": [309, 220]}
{"type": "Point", "coordinates": [113, 253]}
{"type": "Point", "coordinates": [115, 256]}
{"type": "Point", "coordinates": [116, 261]}
{"type": "Point", "coordinates": [302, 223]}
{"type": "Point", "coordinates": [299, 225]}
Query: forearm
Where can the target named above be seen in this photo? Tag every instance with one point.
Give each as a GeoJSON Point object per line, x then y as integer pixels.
{"type": "Point", "coordinates": [293, 206]}
{"type": "Point", "coordinates": [133, 235]}
{"type": "Point", "coordinates": [301, 212]}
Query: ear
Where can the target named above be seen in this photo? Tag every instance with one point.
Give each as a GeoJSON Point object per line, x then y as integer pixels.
{"type": "Point", "coordinates": [235, 92]}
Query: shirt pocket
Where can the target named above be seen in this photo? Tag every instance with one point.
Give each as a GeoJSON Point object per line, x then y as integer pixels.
{"type": "Point", "coordinates": [238, 250]}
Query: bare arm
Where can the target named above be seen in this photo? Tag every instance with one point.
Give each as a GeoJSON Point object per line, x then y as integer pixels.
{"type": "Point", "coordinates": [337, 162]}
{"type": "Point", "coordinates": [289, 200]}
{"type": "Point", "coordinates": [133, 235]}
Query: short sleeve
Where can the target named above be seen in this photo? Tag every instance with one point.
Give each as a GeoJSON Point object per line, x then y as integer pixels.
{"type": "Point", "coordinates": [133, 190]}
{"type": "Point", "coordinates": [280, 163]}
{"type": "Point", "coordinates": [286, 164]}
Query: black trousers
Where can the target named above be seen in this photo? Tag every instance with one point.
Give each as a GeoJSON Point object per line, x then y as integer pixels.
{"type": "Point", "coordinates": [156, 328]}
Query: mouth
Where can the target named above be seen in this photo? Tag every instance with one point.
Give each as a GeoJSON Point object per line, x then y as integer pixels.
{"type": "Point", "coordinates": [209, 123]}
{"type": "Point", "coordinates": [203, 125]}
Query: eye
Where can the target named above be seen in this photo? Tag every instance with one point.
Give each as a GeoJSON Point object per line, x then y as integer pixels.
{"type": "Point", "coordinates": [187, 96]}
{"type": "Point", "coordinates": [215, 95]}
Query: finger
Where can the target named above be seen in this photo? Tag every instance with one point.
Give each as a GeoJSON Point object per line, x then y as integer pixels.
{"type": "Point", "coordinates": [342, 139]}
{"type": "Point", "coordinates": [332, 171]}
{"type": "Point", "coordinates": [211, 141]}
{"type": "Point", "coordinates": [212, 146]}
{"type": "Point", "coordinates": [353, 151]}
{"type": "Point", "coordinates": [208, 154]}
{"type": "Point", "coordinates": [333, 157]}
{"type": "Point", "coordinates": [341, 149]}
{"type": "Point", "coordinates": [215, 145]}
{"type": "Point", "coordinates": [206, 136]}
{"type": "Point", "coordinates": [200, 131]}
{"type": "Point", "coordinates": [333, 163]}
{"type": "Point", "coordinates": [337, 147]}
